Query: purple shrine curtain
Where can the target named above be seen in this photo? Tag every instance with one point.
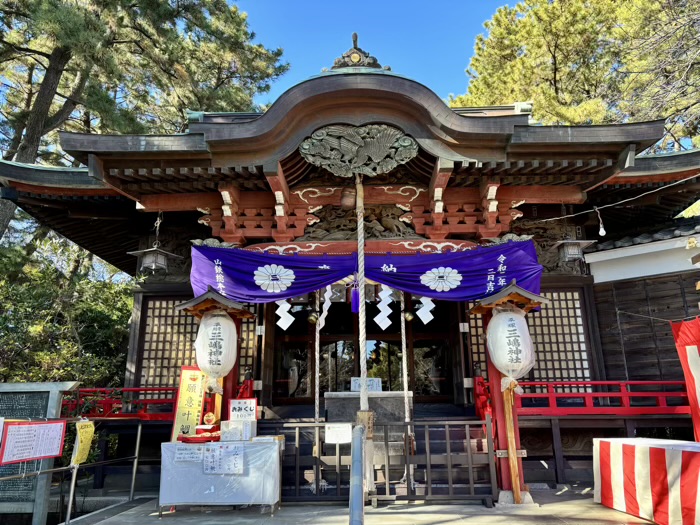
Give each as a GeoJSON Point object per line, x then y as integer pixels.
{"type": "Point", "coordinates": [455, 276]}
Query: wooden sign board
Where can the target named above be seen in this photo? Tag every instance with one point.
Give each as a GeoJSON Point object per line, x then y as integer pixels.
{"type": "Point", "coordinates": [190, 402]}
{"type": "Point", "coordinates": [27, 441]}
{"type": "Point", "coordinates": [243, 409]}
{"type": "Point", "coordinates": [374, 384]}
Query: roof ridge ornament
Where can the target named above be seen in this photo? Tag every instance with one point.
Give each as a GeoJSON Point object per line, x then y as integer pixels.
{"type": "Point", "coordinates": [357, 57]}
{"type": "Point", "coordinates": [370, 150]}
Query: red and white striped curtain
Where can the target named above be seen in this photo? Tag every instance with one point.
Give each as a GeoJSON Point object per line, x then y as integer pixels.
{"type": "Point", "coordinates": [687, 336]}
{"type": "Point", "coordinates": [654, 479]}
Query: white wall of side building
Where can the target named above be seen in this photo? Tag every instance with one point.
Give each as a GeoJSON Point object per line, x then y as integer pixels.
{"type": "Point", "coordinates": [643, 260]}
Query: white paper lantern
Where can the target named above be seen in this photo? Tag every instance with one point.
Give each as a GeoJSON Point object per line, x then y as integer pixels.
{"type": "Point", "coordinates": [216, 347]}
{"type": "Point", "coordinates": [509, 343]}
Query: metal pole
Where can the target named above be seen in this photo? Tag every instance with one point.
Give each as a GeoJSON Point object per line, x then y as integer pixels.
{"type": "Point", "coordinates": [360, 212]}
{"type": "Point", "coordinates": [408, 470]}
{"type": "Point", "coordinates": [317, 353]}
{"type": "Point", "coordinates": [404, 362]}
{"type": "Point", "coordinates": [136, 462]}
{"type": "Point", "coordinates": [357, 492]}
{"type": "Point", "coordinates": [71, 494]}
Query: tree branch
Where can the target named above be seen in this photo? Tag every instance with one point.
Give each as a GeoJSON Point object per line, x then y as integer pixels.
{"type": "Point", "coordinates": [58, 118]}
{"type": "Point", "coordinates": [24, 49]}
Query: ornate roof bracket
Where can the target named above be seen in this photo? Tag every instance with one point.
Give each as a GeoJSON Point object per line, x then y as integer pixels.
{"type": "Point", "coordinates": [488, 190]}
{"type": "Point", "coordinates": [442, 172]}
{"type": "Point", "coordinates": [231, 232]}
{"type": "Point", "coordinates": [278, 184]}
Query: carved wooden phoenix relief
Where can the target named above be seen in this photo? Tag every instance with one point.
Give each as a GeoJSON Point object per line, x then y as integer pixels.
{"type": "Point", "coordinates": [367, 150]}
{"type": "Point", "coordinates": [381, 222]}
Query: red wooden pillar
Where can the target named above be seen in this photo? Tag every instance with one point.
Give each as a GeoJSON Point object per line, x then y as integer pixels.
{"type": "Point", "coordinates": [498, 411]}
{"type": "Point", "coordinates": [231, 380]}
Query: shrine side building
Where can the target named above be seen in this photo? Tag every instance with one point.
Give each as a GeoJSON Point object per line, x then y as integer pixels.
{"type": "Point", "coordinates": [480, 176]}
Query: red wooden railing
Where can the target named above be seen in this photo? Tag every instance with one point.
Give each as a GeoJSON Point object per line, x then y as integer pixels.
{"type": "Point", "coordinates": [148, 403]}
{"type": "Point", "coordinates": [541, 398]}
{"type": "Point", "coordinates": [590, 398]}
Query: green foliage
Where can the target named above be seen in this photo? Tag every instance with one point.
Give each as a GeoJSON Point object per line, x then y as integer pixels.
{"type": "Point", "coordinates": [556, 54]}
{"type": "Point", "coordinates": [662, 65]}
{"type": "Point", "coordinates": [99, 66]}
{"type": "Point", "coordinates": [122, 67]}
{"type": "Point", "coordinates": [58, 320]}
{"type": "Point", "coordinates": [592, 62]}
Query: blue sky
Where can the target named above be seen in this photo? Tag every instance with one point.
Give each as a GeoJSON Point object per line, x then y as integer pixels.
{"type": "Point", "coordinates": [430, 41]}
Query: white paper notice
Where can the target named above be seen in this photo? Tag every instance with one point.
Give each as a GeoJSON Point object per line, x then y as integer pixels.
{"type": "Point", "coordinates": [223, 458]}
{"type": "Point", "coordinates": [243, 409]}
{"type": "Point", "coordinates": [189, 453]}
{"type": "Point", "coordinates": [338, 433]}
{"type": "Point", "coordinates": [25, 441]}
{"type": "Point", "coordinates": [238, 430]}
{"type": "Point", "coordinates": [374, 384]}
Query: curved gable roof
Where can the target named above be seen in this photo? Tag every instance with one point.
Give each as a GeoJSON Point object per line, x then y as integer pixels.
{"type": "Point", "coordinates": [359, 98]}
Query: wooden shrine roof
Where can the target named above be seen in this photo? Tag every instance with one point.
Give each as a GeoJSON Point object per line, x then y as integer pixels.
{"type": "Point", "coordinates": [663, 174]}
{"type": "Point", "coordinates": [361, 98]}
{"type": "Point", "coordinates": [108, 207]}
{"type": "Point", "coordinates": [100, 219]}
{"type": "Point", "coordinates": [213, 300]}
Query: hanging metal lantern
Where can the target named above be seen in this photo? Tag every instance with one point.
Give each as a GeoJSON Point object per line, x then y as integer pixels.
{"type": "Point", "coordinates": [216, 347]}
{"type": "Point", "coordinates": [155, 260]}
{"type": "Point", "coordinates": [571, 250]}
{"type": "Point", "coordinates": [509, 343]}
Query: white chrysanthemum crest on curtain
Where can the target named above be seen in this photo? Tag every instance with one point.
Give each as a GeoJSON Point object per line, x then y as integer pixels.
{"type": "Point", "coordinates": [274, 278]}
{"type": "Point", "coordinates": [216, 347]}
{"type": "Point", "coordinates": [441, 279]}
{"type": "Point", "coordinates": [509, 344]}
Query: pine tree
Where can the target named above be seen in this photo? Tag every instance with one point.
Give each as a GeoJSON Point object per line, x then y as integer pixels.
{"type": "Point", "coordinates": [557, 55]}
{"type": "Point", "coordinates": [122, 67]}
{"type": "Point", "coordinates": [593, 62]}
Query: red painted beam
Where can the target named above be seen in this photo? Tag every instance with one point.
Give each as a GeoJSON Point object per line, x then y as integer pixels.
{"type": "Point", "coordinates": [180, 202]}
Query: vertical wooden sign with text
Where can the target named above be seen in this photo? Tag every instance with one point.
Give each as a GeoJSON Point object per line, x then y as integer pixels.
{"type": "Point", "coordinates": [190, 402]}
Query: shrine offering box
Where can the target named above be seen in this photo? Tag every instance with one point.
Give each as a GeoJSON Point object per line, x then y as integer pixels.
{"type": "Point", "coordinates": [654, 479]}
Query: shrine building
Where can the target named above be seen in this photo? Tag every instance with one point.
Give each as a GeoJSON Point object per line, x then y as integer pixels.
{"type": "Point", "coordinates": [436, 180]}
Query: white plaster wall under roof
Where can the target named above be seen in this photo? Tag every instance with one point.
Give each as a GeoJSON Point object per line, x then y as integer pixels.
{"type": "Point", "coordinates": [643, 260]}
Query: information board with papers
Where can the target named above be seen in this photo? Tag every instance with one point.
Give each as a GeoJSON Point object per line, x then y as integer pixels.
{"type": "Point", "coordinates": [24, 441]}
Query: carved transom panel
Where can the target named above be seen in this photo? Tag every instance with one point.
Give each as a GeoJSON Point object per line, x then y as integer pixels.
{"type": "Point", "coordinates": [370, 150]}
{"type": "Point", "coordinates": [381, 222]}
